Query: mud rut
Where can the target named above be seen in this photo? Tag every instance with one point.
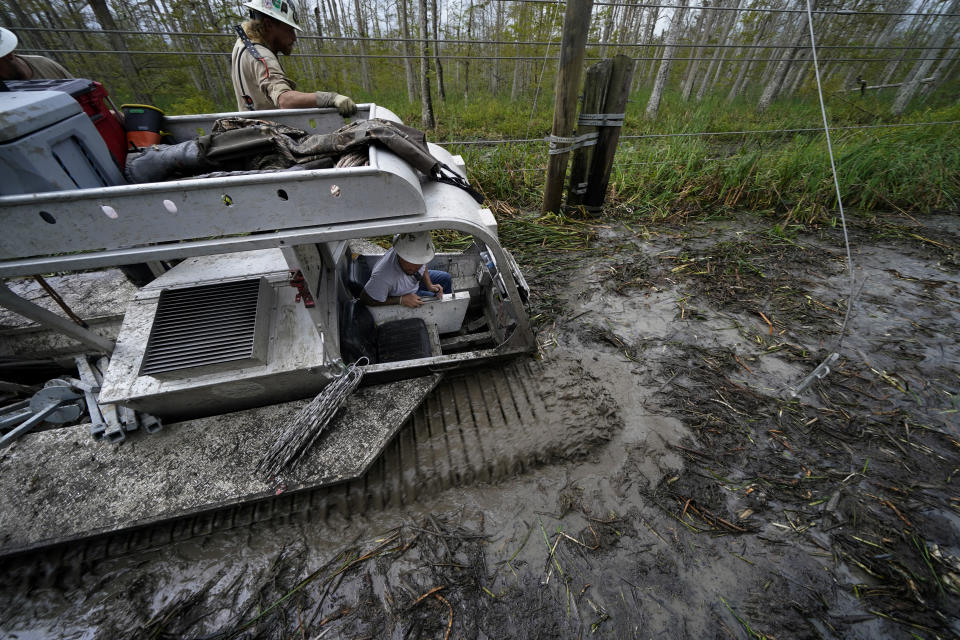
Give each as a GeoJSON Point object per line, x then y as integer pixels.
{"type": "Point", "coordinates": [650, 476]}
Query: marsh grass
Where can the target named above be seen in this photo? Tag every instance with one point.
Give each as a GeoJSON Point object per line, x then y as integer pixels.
{"type": "Point", "coordinates": [787, 175]}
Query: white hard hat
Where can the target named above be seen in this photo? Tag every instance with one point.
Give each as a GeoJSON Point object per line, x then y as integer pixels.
{"type": "Point", "coordinates": [282, 10]}
{"type": "Point", "coordinates": [414, 247]}
{"type": "Point", "coordinates": [8, 41]}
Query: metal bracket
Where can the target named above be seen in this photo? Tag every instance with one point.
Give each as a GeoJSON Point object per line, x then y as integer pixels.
{"type": "Point", "coordinates": [573, 143]}
{"type": "Point", "coordinates": [601, 119]}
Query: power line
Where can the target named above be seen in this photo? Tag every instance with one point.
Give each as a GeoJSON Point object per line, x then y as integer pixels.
{"type": "Point", "coordinates": [392, 56]}
{"type": "Point", "coordinates": [840, 12]}
{"type": "Point", "coordinates": [449, 42]}
{"type": "Point", "coordinates": [709, 133]}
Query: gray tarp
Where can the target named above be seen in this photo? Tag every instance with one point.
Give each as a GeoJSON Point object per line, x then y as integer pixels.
{"type": "Point", "coordinates": [245, 144]}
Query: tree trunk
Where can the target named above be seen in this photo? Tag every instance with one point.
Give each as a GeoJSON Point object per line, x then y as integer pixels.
{"type": "Point", "coordinates": [802, 68]}
{"type": "Point", "coordinates": [651, 46]}
{"type": "Point", "coordinates": [700, 33]}
{"type": "Point", "coordinates": [364, 61]}
{"type": "Point", "coordinates": [797, 35]}
{"type": "Point", "coordinates": [127, 62]}
{"type": "Point", "coordinates": [653, 105]}
{"type": "Point", "coordinates": [466, 62]}
{"type": "Point", "coordinates": [441, 91]}
{"type": "Point", "coordinates": [407, 51]}
{"type": "Point", "coordinates": [426, 103]}
{"type": "Point", "coordinates": [497, 35]}
{"type": "Point", "coordinates": [920, 69]}
{"type": "Point", "coordinates": [941, 73]}
{"type": "Point", "coordinates": [910, 33]}
{"type": "Point", "coordinates": [718, 54]}
{"type": "Point", "coordinates": [516, 87]}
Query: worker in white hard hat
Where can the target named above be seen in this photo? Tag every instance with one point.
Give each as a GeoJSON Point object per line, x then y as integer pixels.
{"type": "Point", "coordinates": [23, 67]}
{"type": "Point", "coordinates": [259, 81]}
{"type": "Point", "coordinates": [401, 275]}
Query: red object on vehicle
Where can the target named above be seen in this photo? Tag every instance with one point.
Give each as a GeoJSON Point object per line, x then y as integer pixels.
{"type": "Point", "coordinates": [94, 103]}
{"type": "Point", "coordinates": [93, 98]}
{"type": "Point", "coordinates": [298, 282]}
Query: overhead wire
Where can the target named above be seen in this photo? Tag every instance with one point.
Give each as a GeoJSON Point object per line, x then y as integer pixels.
{"type": "Point", "coordinates": [710, 133]}
{"type": "Point", "coordinates": [452, 42]}
{"type": "Point", "coordinates": [840, 12]}
{"type": "Point", "coordinates": [392, 56]}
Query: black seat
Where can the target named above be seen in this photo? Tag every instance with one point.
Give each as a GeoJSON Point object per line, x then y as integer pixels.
{"type": "Point", "coordinates": [403, 340]}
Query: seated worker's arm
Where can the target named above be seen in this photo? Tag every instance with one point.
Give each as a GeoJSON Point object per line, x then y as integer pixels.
{"type": "Point", "coordinates": [376, 293]}
{"type": "Point", "coordinates": [411, 300]}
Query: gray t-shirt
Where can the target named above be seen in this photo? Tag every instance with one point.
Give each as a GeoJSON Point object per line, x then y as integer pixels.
{"type": "Point", "coordinates": [388, 279]}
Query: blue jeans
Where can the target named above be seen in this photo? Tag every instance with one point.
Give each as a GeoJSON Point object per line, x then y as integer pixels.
{"type": "Point", "coordinates": [441, 278]}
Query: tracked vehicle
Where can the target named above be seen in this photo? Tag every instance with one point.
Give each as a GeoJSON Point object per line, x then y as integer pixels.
{"type": "Point", "coordinates": [258, 312]}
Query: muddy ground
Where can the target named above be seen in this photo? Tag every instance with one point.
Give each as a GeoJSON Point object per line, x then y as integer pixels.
{"type": "Point", "coordinates": [688, 494]}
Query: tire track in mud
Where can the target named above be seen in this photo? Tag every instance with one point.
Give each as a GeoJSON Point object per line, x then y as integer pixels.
{"type": "Point", "coordinates": [481, 426]}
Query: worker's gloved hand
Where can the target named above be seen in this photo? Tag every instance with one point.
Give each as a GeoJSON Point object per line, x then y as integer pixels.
{"type": "Point", "coordinates": [344, 105]}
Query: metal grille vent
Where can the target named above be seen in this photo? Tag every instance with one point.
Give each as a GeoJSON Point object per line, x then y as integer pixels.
{"type": "Point", "coordinates": [217, 326]}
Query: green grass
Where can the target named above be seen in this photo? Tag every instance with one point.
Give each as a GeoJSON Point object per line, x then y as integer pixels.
{"type": "Point", "coordinates": [910, 169]}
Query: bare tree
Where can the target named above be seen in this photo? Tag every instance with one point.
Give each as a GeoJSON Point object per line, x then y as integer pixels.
{"type": "Point", "coordinates": [466, 62]}
{"type": "Point", "coordinates": [105, 18]}
{"type": "Point", "coordinates": [426, 102]}
{"type": "Point", "coordinates": [718, 54]}
{"type": "Point", "coordinates": [745, 68]}
{"type": "Point", "coordinates": [942, 72]}
{"type": "Point", "coordinates": [700, 34]}
{"type": "Point", "coordinates": [912, 82]}
{"type": "Point", "coordinates": [441, 91]}
{"type": "Point", "coordinates": [653, 105]}
{"type": "Point", "coordinates": [796, 37]}
{"type": "Point", "coordinates": [407, 52]}
{"type": "Point", "coordinates": [364, 60]}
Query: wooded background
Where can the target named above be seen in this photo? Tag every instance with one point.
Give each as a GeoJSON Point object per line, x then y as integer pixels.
{"type": "Point", "coordinates": [175, 53]}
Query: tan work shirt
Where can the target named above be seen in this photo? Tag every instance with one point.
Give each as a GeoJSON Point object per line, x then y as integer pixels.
{"type": "Point", "coordinates": [44, 68]}
{"type": "Point", "coordinates": [263, 83]}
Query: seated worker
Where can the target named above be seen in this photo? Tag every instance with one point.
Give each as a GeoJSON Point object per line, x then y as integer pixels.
{"type": "Point", "coordinates": [259, 81]}
{"type": "Point", "coordinates": [23, 67]}
{"type": "Point", "coordinates": [401, 276]}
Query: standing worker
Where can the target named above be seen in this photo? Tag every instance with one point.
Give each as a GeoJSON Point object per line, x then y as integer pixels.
{"type": "Point", "coordinates": [22, 67]}
{"type": "Point", "coordinates": [259, 81]}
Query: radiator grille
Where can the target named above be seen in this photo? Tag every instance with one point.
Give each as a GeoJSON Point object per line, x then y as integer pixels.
{"type": "Point", "coordinates": [209, 325]}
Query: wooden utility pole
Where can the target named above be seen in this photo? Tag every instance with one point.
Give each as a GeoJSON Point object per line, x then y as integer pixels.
{"type": "Point", "coordinates": [614, 104]}
{"type": "Point", "coordinates": [576, 24]}
{"type": "Point", "coordinates": [594, 88]}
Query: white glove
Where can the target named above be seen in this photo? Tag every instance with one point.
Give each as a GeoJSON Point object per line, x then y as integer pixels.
{"type": "Point", "coordinates": [344, 105]}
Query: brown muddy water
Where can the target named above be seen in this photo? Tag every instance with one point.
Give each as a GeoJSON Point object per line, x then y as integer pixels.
{"type": "Point", "coordinates": [649, 475]}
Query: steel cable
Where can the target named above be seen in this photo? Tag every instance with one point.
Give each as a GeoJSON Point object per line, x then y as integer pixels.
{"type": "Point", "coordinates": [312, 420]}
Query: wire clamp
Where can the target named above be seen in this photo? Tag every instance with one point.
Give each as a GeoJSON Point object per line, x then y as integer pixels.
{"type": "Point", "coordinates": [600, 119]}
{"type": "Point", "coordinates": [571, 143]}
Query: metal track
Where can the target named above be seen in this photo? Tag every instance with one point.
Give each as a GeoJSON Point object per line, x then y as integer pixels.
{"type": "Point", "coordinates": [481, 426]}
